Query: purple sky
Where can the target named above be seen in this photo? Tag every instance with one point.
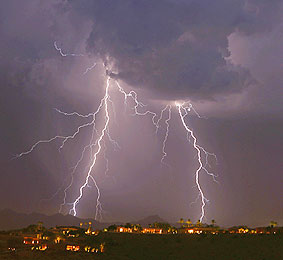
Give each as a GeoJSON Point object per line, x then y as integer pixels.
{"type": "Point", "coordinates": [225, 57]}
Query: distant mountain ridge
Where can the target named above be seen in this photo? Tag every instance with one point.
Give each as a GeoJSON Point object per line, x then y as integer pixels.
{"type": "Point", "coordinates": [149, 220]}
{"type": "Point", "coordinates": [10, 220]}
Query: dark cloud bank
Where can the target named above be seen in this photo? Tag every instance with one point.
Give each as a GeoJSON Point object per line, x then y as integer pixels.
{"type": "Point", "coordinates": [177, 49]}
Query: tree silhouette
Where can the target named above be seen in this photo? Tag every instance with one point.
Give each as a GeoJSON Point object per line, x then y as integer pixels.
{"type": "Point", "coordinates": [181, 221]}
{"type": "Point", "coordinates": [128, 225]}
{"type": "Point", "coordinates": [273, 224]}
{"type": "Point", "coordinates": [189, 222]}
{"type": "Point", "coordinates": [112, 227]}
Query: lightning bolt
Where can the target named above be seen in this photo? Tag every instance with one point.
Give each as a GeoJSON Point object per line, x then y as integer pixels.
{"type": "Point", "coordinates": [89, 146]}
{"type": "Point", "coordinates": [89, 68]}
{"type": "Point", "coordinates": [166, 133]}
{"type": "Point", "coordinates": [160, 118]}
{"type": "Point", "coordinates": [99, 141]}
{"type": "Point", "coordinates": [132, 94]}
{"type": "Point", "coordinates": [105, 131]}
{"type": "Point", "coordinates": [188, 106]}
{"type": "Point", "coordinates": [106, 160]}
{"type": "Point", "coordinates": [183, 112]}
{"type": "Point", "coordinates": [72, 178]}
{"type": "Point", "coordinates": [74, 55]}
{"type": "Point", "coordinates": [66, 54]}
{"type": "Point", "coordinates": [63, 138]}
{"type": "Point", "coordinates": [138, 104]}
{"type": "Point", "coordinates": [73, 113]}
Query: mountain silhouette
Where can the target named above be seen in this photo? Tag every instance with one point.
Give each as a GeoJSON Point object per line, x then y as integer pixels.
{"type": "Point", "coordinates": [10, 220]}
{"type": "Point", "coordinates": [150, 220]}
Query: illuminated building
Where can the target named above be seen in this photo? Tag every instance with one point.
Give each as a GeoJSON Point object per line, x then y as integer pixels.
{"type": "Point", "coordinates": [40, 248]}
{"type": "Point", "coordinates": [102, 247]}
{"type": "Point", "coordinates": [199, 230]}
{"type": "Point", "coordinates": [152, 230]}
{"type": "Point", "coordinates": [242, 230]}
{"type": "Point", "coordinates": [30, 240]}
{"type": "Point", "coordinates": [124, 230]}
{"type": "Point", "coordinates": [58, 240]}
{"type": "Point", "coordinates": [90, 249]}
{"type": "Point", "coordinates": [73, 248]}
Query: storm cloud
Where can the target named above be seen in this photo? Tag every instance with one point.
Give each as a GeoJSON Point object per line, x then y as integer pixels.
{"type": "Point", "coordinates": [176, 49]}
{"type": "Point", "coordinates": [173, 49]}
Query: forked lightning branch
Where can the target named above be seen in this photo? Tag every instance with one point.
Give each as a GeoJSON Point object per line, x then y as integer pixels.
{"type": "Point", "coordinates": [97, 141]}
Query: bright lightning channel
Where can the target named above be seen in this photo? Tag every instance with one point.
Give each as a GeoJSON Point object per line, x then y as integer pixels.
{"type": "Point", "coordinates": [183, 112]}
{"type": "Point", "coordinates": [99, 141]}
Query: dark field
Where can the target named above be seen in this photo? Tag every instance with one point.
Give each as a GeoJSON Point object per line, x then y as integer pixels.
{"type": "Point", "coordinates": [195, 247]}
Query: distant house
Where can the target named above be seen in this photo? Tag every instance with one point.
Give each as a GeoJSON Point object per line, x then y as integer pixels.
{"type": "Point", "coordinates": [124, 230]}
{"type": "Point", "coordinates": [152, 231]}
{"type": "Point", "coordinates": [45, 237]}
{"type": "Point", "coordinates": [39, 247]}
{"type": "Point", "coordinates": [58, 240]}
{"type": "Point", "coordinates": [243, 230]}
{"type": "Point", "coordinates": [268, 230]}
{"type": "Point", "coordinates": [238, 230]}
{"type": "Point", "coordinates": [30, 240]}
{"type": "Point", "coordinates": [85, 225]}
{"type": "Point", "coordinates": [73, 248]}
{"type": "Point", "coordinates": [91, 249]}
{"type": "Point", "coordinates": [91, 233]}
{"type": "Point", "coordinates": [67, 231]}
{"type": "Point", "coordinates": [198, 230]}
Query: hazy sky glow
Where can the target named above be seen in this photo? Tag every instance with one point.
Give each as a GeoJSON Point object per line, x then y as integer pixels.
{"type": "Point", "coordinates": [225, 57]}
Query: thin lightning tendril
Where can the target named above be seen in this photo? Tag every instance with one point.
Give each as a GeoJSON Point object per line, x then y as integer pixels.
{"type": "Point", "coordinates": [66, 54]}
{"type": "Point", "coordinates": [106, 160]}
{"type": "Point", "coordinates": [89, 68]}
{"type": "Point", "coordinates": [132, 94]}
{"type": "Point", "coordinates": [160, 118]}
{"type": "Point", "coordinates": [72, 179]}
{"type": "Point", "coordinates": [166, 134]}
{"type": "Point", "coordinates": [73, 114]}
{"type": "Point", "coordinates": [64, 138]}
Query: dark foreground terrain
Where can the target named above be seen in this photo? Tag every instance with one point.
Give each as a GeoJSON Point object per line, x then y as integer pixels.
{"type": "Point", "coordinates": [195, 247]}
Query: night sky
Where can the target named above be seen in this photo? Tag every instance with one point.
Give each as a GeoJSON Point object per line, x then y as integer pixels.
{"type": "Point", "coordinates": [225, 56]}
